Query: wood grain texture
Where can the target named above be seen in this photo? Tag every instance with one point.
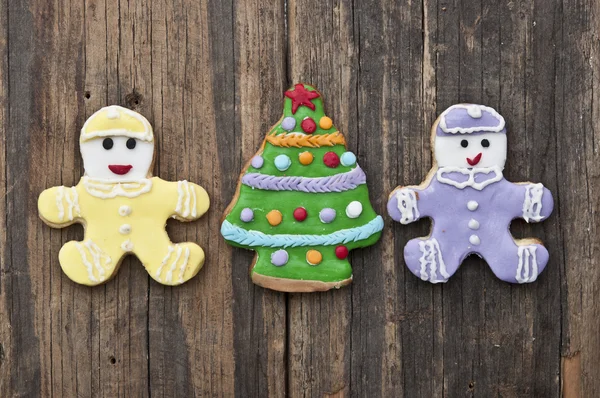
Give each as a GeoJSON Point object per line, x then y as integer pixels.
{"type": "Point", "coordinates": [209, 75]}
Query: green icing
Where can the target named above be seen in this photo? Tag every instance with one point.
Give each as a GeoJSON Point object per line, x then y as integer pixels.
{"type": "Point", "coordinates": [331, 269]}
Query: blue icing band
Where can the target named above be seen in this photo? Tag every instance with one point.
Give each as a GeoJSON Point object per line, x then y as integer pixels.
{"type": "Point", "coordinates": [283, 162]}
{"type": "Point", "coordinates": [256, 238]}
{"type": "Point", "coordinates": [348, 159]}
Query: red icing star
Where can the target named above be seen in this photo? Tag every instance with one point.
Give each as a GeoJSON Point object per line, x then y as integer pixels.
{"type": "Point", "coordinates": [301, 96]}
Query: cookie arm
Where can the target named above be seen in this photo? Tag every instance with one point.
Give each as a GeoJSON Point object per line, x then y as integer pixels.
{"type": "Point", "coordinates": [405, 203]}
{"type": "Point", "coordinates": [59, 206]}
{"type": "Point", "coordinates": [534, 202]}
{"type": "Point", "coordinates": [192, 200]}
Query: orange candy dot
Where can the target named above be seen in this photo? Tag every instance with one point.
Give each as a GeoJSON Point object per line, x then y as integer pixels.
{"type": "Point", "coordinates": [306, 158]}
{"type": "Point", "coordinates": [325, 123]}
{"type": "Point", "coordinates": [314, 257]}
{"type": "Point", "coordinates": [274, 217]}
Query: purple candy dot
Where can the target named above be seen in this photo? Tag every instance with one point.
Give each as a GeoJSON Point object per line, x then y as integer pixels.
{"type": "Point", "coordinates": [257, 162]}
{"type": "Point", "coordinates": [288, 123]}
{"type": "Point", "coordinates": [247, 215]}
{"type": "Point", "coordinates": [327, 215]}
{"type": "Point", "coordinates": [279, 258]}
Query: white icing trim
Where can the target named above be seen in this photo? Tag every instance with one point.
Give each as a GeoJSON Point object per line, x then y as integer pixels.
{"type": "Point", "coordinates": [97, 254]}
{"type": "Point", "coordinates": [72, 198]}
{"type": "Point", "coordinates": [532, 205]}
{"type": "Point", "coordinates": [107, 189]}
{"type": "Point", "coordinates": [430, 254]}
{"type": "Point", "coordinates": [170, 250]}
{"type": "Point", "coordinates": [173, 265]}
{"type": "Point", "coordinates": [60, 194]}
{"type": "Point", "coordinates": [186, 199]}
{"type": "Point", "coordinates": [407, 205]}
{"type": "Point", "coordinates": [527, 259]}
{"type": "Point", "coordinates": [471, 172]}
{"type": "Point", "coordinates": [474, 111]}
{"type": "Point", "coordinates": [469, 108]}
{"type": "Point", "coordinates": [184, 264]}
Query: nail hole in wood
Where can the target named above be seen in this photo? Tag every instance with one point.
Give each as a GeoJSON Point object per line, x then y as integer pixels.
{"type": "Point", "coordinates": [471, 385]}
{"type": "Point", "coordinates": [133, 99]}
{"type": "Point", "coordinates": [87, 95]}
{"type": "Point", "coordinates": [113, 360]}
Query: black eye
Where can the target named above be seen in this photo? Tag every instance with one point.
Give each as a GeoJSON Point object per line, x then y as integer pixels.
{"type": "Point", "coordinates": [485, 143]}
{"type": "Point", "coordinates": [464, 143]}
{"type": "Point", "coordinates": [107, 143]}
{"type": "Point", "coordinates": [131, 143]}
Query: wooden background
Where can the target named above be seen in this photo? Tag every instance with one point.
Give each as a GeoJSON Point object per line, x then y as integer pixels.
{"type": "Point", "coordinates": [210, 76]}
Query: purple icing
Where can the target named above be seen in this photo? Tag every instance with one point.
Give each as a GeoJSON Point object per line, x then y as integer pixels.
{"type": "Point", "coordinates": [335, 183]}
{"type": "Point", "coordinates": [257, 162]}
{"type": "Point", "coordinates": [327, 215]}
{"type": "Point", "coordinates": [470, 119]}
{"type": "Point", "coordinates": [279, 258]}
{"type": "Point", "coordinates": [288, 123]}
{"type": "Point", "coordinates": [247, 215]}
{"type": "Point", "coordinates": [458, 231]}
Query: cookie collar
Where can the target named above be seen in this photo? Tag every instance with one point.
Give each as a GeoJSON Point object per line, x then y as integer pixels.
{"type": "Point", "coordinates": [106, 189]}
{"type": "Point", "coordinates": [476, 177]}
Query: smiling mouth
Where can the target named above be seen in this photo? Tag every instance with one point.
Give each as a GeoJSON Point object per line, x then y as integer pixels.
{"type": "Point", "coordinates": [475, 160]}
{"type": "Point", "coordinates": [120, 169]}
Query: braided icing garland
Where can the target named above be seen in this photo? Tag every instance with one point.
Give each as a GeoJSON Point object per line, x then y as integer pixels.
{"type": "Point", "coordinates": [299, 140]}
{"type": "Point", "coordinates": [256, 238]}
{"type": "Point", "coordinates": [335, 183]}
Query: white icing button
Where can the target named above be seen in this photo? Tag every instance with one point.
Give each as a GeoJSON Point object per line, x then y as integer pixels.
{"type": "Point", "coordinates": [125, 229]}
{"type": "Point", "coordinates": [124, 210]}
{"type": "Point", "coordinates": [127, 246]}
{"type": "Point", "coordinates": [472, 205]}
{"type": "Point", "coordinates": [473, 224]}
{"type": "Point", "coordinates": [474, 111]}
{"type": "Point", "coordinates": [474, 239]}
{"type": "Point", "coordinates": [354, 209]}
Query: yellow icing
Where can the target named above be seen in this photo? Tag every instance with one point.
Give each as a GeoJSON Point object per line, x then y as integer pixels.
{"type": "Point", "coordinates": [124, 218]}
{"type": "Point", "coordinates": [116, 120]}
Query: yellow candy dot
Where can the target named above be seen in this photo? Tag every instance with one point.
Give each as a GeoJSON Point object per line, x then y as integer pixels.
{"type": "Point", "coordinates": [306, 158]}
{"type": "Point", "coordinates": [274, 217]}
{"type": "Point", "coordinates": [314, 257]}
{"type": "Point", "coordinates": [325, 123]}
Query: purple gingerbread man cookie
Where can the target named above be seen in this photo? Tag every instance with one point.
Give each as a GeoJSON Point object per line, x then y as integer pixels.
{"type": "Point", "coordinates": [471, 203]}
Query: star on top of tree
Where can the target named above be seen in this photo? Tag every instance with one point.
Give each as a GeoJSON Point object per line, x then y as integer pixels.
{"type": "Point", "coordinates": [301, 96]}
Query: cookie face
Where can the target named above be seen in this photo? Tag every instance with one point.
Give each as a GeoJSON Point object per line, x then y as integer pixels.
{"type": "Point", "coordinates": [122, 207]}
{"type": "Point", "coordinates": [302, 202]}
{"type": "Point", "coordinates": [470, 202]}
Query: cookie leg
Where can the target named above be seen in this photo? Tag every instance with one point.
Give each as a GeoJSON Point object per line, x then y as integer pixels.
{"type": "Point", "coordinates": [425, 258]}
{"type": "Point", "coordinates": [172, 263]}
{"type": "Point", "coordinates": [88, 264]}
{"type": "Point", "coordinates": [519, 263]}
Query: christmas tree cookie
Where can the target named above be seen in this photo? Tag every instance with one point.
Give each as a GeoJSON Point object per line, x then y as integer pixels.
{"type": "Point", "coordinates": [302, 202]}
{"type": "Point", "coordinates": [122, 207]}
{"type": "Point", "coordinates": [471, 203]}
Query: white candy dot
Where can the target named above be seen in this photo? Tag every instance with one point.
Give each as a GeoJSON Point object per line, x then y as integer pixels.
{"type": "Point", "coordinates": [354, 209]}
{"type": "Point", "coordinates": [474, 239]}
{"type": "Point", "coordinates": [472, 205]}
{"type": "Point", "coordinates": [473, 224]}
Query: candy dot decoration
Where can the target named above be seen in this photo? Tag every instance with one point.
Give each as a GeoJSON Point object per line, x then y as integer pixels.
{"type": "Point", "coordinates": [279, 258]}
{"type": "Point", "coordinates": [308, 125]}
{"type": "Point", "coordinates": [341, 252]}
{"type": "Point", "coordinates": [470, 203]}
{"type": "Point", "coordinates": [309, 184]}
{"type": "Point", "coordinates": [274, 217]}
{"type": "Point", "coordinates": [348, 159]}
{"type": "Point", "coordinates": [314, 257]}
{"type": "Point", "coordinates": [325, 123]}
{"type": "Point", "coordinates": [327, 215]}
{"type": "Point", "coordinates": [331, 159]}
{"type": "Point", "coordinates": [288, 123]}
{"type": "Point", "coordinates": [247, 215]}
{"type": "Point", "coordinates": [283, 162]}
{"type": "Point", "coordinates": [305, 158]}
{"type": "Point", "coordinates": [257, 162]}
{"type": "Point", "coordinates": [354, 209]}
{"type": "Point", "coordinates": [300, 214]}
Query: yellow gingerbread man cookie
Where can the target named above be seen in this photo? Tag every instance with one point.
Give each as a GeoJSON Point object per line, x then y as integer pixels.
{"type": "Point", "coordinates": [122, 207]}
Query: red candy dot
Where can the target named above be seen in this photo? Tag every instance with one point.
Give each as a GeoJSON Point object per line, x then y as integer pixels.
{"type": "Point", "coordinates": [300, 214]}
{"type": "Point", "coordinates": [331, 159]}
{"type": "Point", "coordinates": [308, 125]}
{"type": "Point", "coordinates": [341, 252]}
